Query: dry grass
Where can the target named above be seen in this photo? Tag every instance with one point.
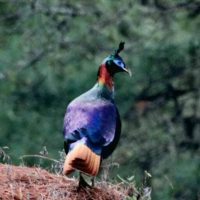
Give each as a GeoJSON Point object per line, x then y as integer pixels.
{"type": "Point", "coordinates": [19, 182]}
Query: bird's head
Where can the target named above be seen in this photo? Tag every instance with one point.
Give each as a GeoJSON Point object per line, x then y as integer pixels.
{"type": "Point", "coordinates": [114, 63]}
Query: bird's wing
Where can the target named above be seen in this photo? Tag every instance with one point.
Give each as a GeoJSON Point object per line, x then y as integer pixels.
{"type": "Point", "coordinates": [95, 120]}
{"type": "Point", "coordinates": [108, 149]}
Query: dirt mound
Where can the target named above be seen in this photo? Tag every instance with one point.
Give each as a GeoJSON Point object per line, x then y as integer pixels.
{"type": "Point", "coordinates": [19, 182]}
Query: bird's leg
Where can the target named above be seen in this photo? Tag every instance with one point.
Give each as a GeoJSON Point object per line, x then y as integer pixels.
{"type": "Point", "coordinates": [82, 183]}
{"type": "Point", "coordinates": [92, 180]}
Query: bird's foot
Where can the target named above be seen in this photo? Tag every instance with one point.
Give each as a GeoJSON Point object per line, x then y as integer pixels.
{"type": "Point", "coordinates": [83, 183]}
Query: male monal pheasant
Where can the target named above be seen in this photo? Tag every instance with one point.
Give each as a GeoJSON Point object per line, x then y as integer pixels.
{"type": "Point", "coordinates": [92, 123]}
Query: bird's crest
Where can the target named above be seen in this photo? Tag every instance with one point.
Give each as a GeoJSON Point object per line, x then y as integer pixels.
{"type": "Point", "coordinates": [120, 48]}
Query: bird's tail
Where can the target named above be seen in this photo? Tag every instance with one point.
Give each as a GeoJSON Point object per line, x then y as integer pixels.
{"type": "Point", "coordinates": [82, 158]}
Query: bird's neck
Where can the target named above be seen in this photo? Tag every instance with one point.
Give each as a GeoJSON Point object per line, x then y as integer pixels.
{"type": "Point", "coordinates": [104, 78]}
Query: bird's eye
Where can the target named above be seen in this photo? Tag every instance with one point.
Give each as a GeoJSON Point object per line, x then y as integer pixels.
{"type": "Point", "coordinates": [119, 63]}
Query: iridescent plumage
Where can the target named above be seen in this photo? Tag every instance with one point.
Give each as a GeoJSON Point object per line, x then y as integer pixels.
{"type": "Point", "coordinates": [92, 119]}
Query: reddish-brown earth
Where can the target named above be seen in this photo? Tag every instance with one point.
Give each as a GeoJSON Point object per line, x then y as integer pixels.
{"type": "Point", "coordinates": [19, 182]}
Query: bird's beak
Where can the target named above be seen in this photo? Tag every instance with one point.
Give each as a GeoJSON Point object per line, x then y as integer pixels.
{"type": "Point", "coordinates": [128, 71]}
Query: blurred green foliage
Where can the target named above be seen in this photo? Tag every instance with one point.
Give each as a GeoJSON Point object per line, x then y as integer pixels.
{"type": "Point", "coordinates": [50, 51]}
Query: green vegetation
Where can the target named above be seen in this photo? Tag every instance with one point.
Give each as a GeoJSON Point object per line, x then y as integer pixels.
{"type": "Point", "coordinates": [50, 51]}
